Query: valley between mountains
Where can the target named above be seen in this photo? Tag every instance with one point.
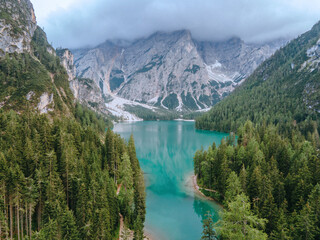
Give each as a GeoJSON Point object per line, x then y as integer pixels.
{"type": "Point", "coordinates": [79, 160]}
{"type": "Point", "coordinates": [167, 72]}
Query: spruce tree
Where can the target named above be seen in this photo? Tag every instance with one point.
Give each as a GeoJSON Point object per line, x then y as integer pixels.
{"type": "Point", "coordinates": [138, 229]}
{"type": "Point", "coordinates": [233, 187]}
{"type": "Point", "coordinates": [208, 233]}
{"type": "Point", "coordinates": [238, 221]}
{"type": "Point", "coordinates": [68, 226]}
{"type": "Point", "coordinates": [314, 203]}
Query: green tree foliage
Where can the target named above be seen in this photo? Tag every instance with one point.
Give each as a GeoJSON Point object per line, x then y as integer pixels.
{"type": "Point", "coordinates": [279, 175]}
{"type": "Point", "coordinates": [126, 181]}
{"type": "Point", "coordinates": [281, 92]}
{"type": "Point", "coordinates": [138, 229]}
{"type": "Point", "coordinates": [239, 223]}
{"type": "Point", "coordinates": [209, 233]}
{"type": "Point", "coordinates": [233, 187]}
{"type": "Point", "coordinates": [34, 73]}
{"type": "Point", "coordinates": [58, 179]}
{"type": "Point", "coordinates": [53, 184]}
{"type": "Point", "coordinates": [89, 118]}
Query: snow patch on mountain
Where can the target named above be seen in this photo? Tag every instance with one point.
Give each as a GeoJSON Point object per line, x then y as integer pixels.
{"type": "Point", "coordinates": [171, 70]}
{"type": "Point", "coordinates": [117, 108]}
{"type": "Point", "coordinates": [313, 54]}
{"type": "Point", "coordinates": [215, 73]}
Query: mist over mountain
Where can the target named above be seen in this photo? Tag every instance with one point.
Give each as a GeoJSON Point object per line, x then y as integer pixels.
{"type": "Point", "coordinates": [171, 70]}
{"type": "Point", "coordinates": [283, 90]}
{"type": "Point", "coordinates": [74, 24]}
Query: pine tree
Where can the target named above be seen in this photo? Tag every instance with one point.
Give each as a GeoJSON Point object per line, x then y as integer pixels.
{"type": "Point", "coordinates": [126, 195]}
{"type": "Point", "coordinates": [281, 232]}
{"type": "Point", "coordinates": [138, 229]}
{"type": "Point", "coordinates": [139, 197]}
{"type": "Point", "coordinates": [305, 228]}
{"type": "Point", "coordinates": [110, 154]}
{"type": "Point", "coordinates": [126, 173]}
{"type": "Point", "coordinates": [68, 226]}
{"type": "Point", "coordinates": [255, 185]}
{"type": "Point", "coordinates": [3, 201]}
{"type": "Point", "coordinates": [238, 222]}
{"type": "Point", "coordinates": [48, 232]}
{"type": "Point", "coordinates": [314, 203]}
{"type": "Point", "coordinates": [243, 178]}
{"type": "Point", "coordinates": [53, 184]}
{"type": "Point", "coordinates": [133, 156]}
{"type": "Point", "coordinates": [208, 232]}
{"type": "Point", "coordinates": [233, 187]}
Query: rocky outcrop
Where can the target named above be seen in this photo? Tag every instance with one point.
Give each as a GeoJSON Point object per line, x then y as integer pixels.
{"type": "Point", "coordinates": [84, 90]}
{"type": "Point", "coordinates": [234, 56]}
{"type": "Point", "coordinates": [89, 94]}
{"type": "Point", "coordinates": [42, 86]}
{"type": "Point", "coordinates": [311, 93]}
{"type": "Point", "coordinates": [17, 26]}
{"type": "Point", "coordinates": [171, 70]}
{"type": "Point", "coordinates": [67, 61]}
{"type": "Point", "coordinates": [313, 55]}
{"type": "Point", "coordinates": [46, 103]}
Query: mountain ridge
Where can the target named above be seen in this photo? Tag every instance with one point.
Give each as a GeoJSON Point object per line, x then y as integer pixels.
{"type": "Point", "coordinates": [168, 70]}
{"type": "Point", "coordinates": [284, 90]}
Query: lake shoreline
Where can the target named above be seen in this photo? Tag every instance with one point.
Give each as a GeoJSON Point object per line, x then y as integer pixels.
{"type": "Point", "coordinates": [197, 191]}
{"type": "Point", "coordinates": [165, 150]}
{"type": "Point", "coordinates": [184, 120]}
{"type": "Point", "coordinates": [149, 235]}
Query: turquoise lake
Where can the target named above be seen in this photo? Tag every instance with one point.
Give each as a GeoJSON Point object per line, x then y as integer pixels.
{"type": "Point", "coordinates": [165, 150]}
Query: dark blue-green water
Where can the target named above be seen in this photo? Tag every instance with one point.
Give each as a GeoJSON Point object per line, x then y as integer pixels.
{"type": "Point", "coordinates": [165, 150]}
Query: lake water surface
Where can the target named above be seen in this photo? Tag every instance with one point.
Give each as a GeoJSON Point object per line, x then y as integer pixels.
{"type": "Point", "coordinates": [165, 150]}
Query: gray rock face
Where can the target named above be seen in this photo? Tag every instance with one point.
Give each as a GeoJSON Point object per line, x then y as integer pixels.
{"type": "Point", "coordinates": [89, 94]}
{"type": "Point", "coordinates": [46, 103]}
{"type": "Point", "coordinates": [67, 61]}
{"type": "Point", "coordinates": [171, 70]}
{"type": "Point", "coordinates": [17, 25]}
{"type": "Point", "coordinates": [313, 55]}
{"type": "Point", "coordinates": [84, 90]}
{"type": "Point", "coordinates": [311, 93]}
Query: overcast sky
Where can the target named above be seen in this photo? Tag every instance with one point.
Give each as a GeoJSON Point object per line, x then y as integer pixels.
{"type": "Point", "coordinates": [77, 23]}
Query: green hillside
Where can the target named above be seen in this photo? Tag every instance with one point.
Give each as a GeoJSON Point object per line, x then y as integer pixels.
{"type": "Point", "coordinates": [59, 168]}
{"type": "Point", "coordinates": [278, 176]}
{"type": "Point", "coordinates": [34, 73]}
{"type": "Point", "coordinates": [270, 176]}
{"type": "Point", "coordinates": [284, 90]}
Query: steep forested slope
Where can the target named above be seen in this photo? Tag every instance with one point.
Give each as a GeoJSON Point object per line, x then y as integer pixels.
{"type": "Point", "coordinates": [284, 90]}
{"type": "Point", "coordinates": [269, 180]}
{"type": "Point", "coordinates": [59, 169]}
{"type": "Point", "coordinates": [27, 79]}
{"type": "Point", "coordinates": [275, 177]}
{"type": "Point", "coordinates": [58, 180]}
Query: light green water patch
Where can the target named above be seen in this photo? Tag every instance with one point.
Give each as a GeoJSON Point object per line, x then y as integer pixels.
{"type": "Point", "coordinates": [165, 150]}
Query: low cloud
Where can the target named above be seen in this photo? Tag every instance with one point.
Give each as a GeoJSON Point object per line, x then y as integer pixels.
{"type": "Point", "coordinates": [91, 23]}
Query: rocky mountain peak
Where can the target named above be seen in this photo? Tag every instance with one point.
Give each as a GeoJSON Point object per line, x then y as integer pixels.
{"type": "Point", "coordinates": [234, 41]}
{"type": "Point", "coordinates": [119, 42]}
{"type": "Point", "coordinates": [171, 69]}
{"type": "Point", "coordinates": [175, 36]}
{"type": "Point", "coordinates": [17, 26]}
{"type": "Point", "coordinates": [67, 61]}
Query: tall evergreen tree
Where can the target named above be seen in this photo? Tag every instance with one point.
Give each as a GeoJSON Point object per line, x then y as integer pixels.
{"type": "Point", "coordinates": [208, 233]}
{"type": "Point", "coordinates": [233, 187]}
{"type": "Point", "coordinates": [238, 221]}
{"type": "Point", "coordinates": [59, 189]}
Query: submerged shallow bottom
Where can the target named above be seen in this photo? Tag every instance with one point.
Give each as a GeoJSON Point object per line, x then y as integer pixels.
{"type": "Point", "coordinates": [165, 150]}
